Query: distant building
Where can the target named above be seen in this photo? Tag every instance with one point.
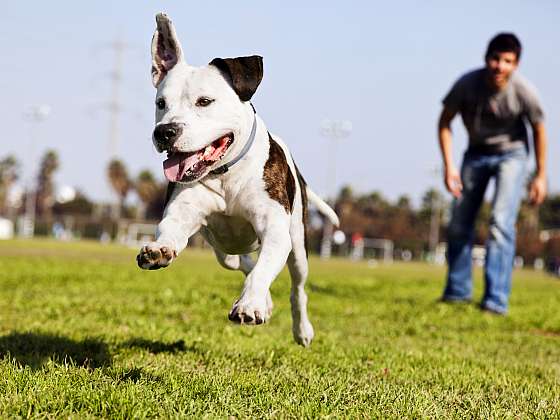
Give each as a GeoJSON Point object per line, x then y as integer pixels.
{"type": "Point", "coordinates": [6, 229]}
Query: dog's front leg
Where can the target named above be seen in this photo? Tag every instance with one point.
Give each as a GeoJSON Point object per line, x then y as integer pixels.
{"type": "Point", "coordinates": [254, 305]}
{"type": "Point", "coordinates": [179, 223]}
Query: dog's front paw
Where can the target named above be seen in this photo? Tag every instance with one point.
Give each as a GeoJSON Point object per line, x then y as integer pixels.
{"type": "Point", "coordinates": [251, 310]}
{"type": "Point", "coordinates": [154, 256]}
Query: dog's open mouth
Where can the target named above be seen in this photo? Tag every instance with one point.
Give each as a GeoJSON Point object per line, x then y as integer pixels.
{"type": "Point", "coordinates": [189, 166]}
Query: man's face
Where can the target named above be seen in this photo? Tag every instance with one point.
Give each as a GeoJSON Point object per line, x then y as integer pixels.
{"type": "Point", "coordinates": [500, 66]}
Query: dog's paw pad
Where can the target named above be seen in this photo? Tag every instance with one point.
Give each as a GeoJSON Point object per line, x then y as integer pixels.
{"type": "Point", "coordinates": [153, 256]}
{"type": "Point", "coordinates": [258, 318]}
{"type": "Point", "coordinates": [249, 314]}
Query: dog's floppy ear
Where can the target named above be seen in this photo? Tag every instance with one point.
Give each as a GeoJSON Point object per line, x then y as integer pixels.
{"type": "Point", "coordinates": [245, 72]}
{"type": "Point", "coordinates": [166, 50]}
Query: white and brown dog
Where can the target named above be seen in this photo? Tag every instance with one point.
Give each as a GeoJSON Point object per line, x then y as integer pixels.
{"type": "Point", "coordinates": [229, 178]}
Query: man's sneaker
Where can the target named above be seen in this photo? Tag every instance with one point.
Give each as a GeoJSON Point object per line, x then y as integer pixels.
{"type": "Point", "coordinates": [492, 311]}
{"type": "Point", "coordinates": [447, 299]}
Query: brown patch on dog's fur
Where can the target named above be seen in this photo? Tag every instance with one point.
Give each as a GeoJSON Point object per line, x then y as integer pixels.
{"type": "Point", "coordinates": [278, 179]}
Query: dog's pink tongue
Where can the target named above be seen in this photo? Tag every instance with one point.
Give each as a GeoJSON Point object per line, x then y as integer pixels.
{"type": "Point", "coordinates": [175, 166]}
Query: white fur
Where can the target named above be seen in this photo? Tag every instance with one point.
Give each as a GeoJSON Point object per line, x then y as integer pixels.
{"type": "Point", "coordinates": [233, 210]}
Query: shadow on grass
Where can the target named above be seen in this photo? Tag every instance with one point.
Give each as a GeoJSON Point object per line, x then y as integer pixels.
{"type": "Point", "coordinates": [35, 349]}
{"type": "Point", "coordinates": [155, 347]}
{"type": "Point", "coordinates": [134, 375]}
{"type": "Point", "coordinates": [315, 288]}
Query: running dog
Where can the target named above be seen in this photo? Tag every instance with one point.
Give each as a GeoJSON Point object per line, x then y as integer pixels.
{"type": "Point", "coordinates": [229, 178]}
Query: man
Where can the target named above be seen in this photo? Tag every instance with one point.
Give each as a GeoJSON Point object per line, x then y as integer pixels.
{"type": "Point", "coordinates": [495, 105]}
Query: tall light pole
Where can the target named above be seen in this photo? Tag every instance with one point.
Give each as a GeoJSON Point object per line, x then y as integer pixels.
{"type": "Point", "coordinates": [35, 114]}
{"type": "Point", "coordinates": [334, 131]}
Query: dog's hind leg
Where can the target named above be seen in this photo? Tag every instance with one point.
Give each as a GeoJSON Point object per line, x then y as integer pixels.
{"type": "Point", "coordinates": [243, 263]}
{"type": "Point", "coordinates": [298, 266]}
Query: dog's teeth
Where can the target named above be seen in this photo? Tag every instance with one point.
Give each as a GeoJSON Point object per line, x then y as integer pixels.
{"type": "Point", "coordinates": [207, 151]}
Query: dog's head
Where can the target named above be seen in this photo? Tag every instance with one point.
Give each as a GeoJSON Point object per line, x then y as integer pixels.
{"type": "Point", "coordinates": [200, 111]}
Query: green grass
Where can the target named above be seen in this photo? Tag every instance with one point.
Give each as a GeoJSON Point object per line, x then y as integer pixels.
{"type": "Point", "coordinates": [84, 333]}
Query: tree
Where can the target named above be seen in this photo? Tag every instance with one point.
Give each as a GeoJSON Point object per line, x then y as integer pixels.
{"type": "Point", "coordinates": [147, 190]}
{"type": "Point", "coordinates": [9, 167]}
{"type": "Point", "coordinates": [373, 204]}
{"type": "Point", "coordinates": [120, 182]}
{"type": "Point", "coordinates": [404, 203]}
{"type": "Point", "coordinates": [156, 207]}
{"type": "Point", "coordinates": [346, 194]}
{"type": "Point", "coordinates": [80, 205]}
{"type": "Point", "coordinates": [45, 185]}
{"type": "Point", "coordinates": [549, 212]}
{"type": "Point", "coordinates": [431, 197]}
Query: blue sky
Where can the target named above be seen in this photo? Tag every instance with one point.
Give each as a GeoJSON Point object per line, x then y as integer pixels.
{"type": "Point", "coordinates": [382, 65]}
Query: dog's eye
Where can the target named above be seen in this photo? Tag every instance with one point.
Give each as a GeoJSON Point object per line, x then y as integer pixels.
{"type": "Point", "coordinates": [204, 101]}
{"type": "Point", "coordinates": [160, 103]}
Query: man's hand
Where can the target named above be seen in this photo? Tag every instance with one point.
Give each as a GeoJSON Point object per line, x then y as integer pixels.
{"type": "Point", "coordinates": [452, 178]}
{"type": "Point", "coordinates": [453, 181]}
{"type": "Point", "coordinates": [537, 190]}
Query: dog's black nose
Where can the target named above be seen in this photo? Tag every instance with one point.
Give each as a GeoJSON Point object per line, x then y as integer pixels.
{"type": "Point", "coordinates": [166, 134]}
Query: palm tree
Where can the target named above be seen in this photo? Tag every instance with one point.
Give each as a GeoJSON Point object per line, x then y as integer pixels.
{"type": "Point", "coordinates": [550, 212]}
{"type": "Point", "coordinates": [45, 186]}
{"type": "Point", "coordinates": [118, 177]}
{"type": "Point", "coordinates": [9, 167]}
{"type": "Point", "coordinates": [147, 190]}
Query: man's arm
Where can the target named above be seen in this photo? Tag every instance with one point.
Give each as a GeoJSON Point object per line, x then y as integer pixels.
{"type": "Point", "coordinates": [452, 177]}
{"type": "Point", "coordinates": [537, 189]}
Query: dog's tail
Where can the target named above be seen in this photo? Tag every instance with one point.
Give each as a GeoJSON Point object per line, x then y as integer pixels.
{"type": "Point", "coordinates": [323, 207]}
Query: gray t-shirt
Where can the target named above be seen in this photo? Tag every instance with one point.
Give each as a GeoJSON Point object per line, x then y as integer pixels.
{"type": "Point", "coordinates": [494, 120]}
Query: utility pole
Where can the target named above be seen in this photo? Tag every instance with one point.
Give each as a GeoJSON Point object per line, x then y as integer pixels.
{"type": "Point", "coordinates": [435, 207]}
{"type": "Point", "coordinates": [119, 47]}
{"type": "Point", "coordinates": [434, 223]}
{"type": "Point", "coordinates": [35, 114]}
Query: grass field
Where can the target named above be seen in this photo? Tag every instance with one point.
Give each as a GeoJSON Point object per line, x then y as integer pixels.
{"type": "Point", "coordinates": [84, 333]}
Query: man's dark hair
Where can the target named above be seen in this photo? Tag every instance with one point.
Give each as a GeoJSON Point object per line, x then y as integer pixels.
{"type": "Point", "coordinates": [504, 42]}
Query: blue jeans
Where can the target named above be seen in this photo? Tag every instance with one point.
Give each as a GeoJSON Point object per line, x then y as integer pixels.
{"type": "Point", "coordinates": [509, 170]}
